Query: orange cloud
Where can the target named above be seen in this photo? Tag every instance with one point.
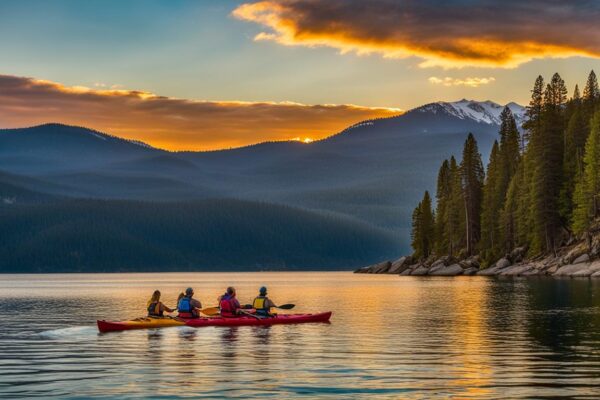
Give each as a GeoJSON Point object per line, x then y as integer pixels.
{"type": "Point", "coordinates": [171, 123]}
{"type": "Point", "coordinates": [487, 33]}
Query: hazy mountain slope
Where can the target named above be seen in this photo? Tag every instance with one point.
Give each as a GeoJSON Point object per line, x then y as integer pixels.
{"type": "Point", "coordinates": [57, 147]}
{"type": "Point", "coordinates": [94, 235]}
{"type": "Point", "coordinates": [375, 170]}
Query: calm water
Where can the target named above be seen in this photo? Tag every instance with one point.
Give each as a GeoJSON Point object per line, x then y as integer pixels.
{"type": "Point", "coordinates": [389, 337]}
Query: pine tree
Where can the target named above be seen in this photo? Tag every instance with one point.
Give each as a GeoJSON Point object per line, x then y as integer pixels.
{"type": "Point", "coordinates": [472, 175]}
{"type": "Point", "coordinates": [492, 200]}
{"type": "Point", "coordinates": [533, 114]}
{"type": "Point", "coordinates": [575, 138]}
{"type": "Point", "coordinates": [443, 193]}
{"type": "Point", "coordinates": [455, 211]}
{"type": "Point", "coordinates": [509, 219]}
{"type": "Point", "coordinates": [423, 226]}
{"type": "Point", "coordinates": [591, 92]}
{"type": "Point", "coordinates": [548, 154]}
{"type": "Point", "coordinates": [587, 190]}
{"type": "Point", "coordinates": [509, 154]}
{"type": "Point", "coordinates": [591, 99]}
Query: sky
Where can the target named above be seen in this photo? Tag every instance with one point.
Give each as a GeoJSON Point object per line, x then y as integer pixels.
{"type": "Point", "coordinates": [212, 74]}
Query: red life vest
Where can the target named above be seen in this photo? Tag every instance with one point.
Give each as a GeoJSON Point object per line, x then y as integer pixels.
{"type": "Point", "coordinates": [229, 306]}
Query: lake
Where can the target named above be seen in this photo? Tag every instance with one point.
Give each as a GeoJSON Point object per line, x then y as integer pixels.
{"type": "Point", "coordinates": [389, 337]}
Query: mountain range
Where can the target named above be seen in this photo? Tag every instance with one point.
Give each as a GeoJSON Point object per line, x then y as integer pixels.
{"type": "Point", "coordinates": [371, 174]}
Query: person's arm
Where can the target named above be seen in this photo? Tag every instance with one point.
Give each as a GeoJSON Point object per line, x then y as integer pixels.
{"type": "Point", "coordinates": [165, 308]}
{"type": "Point", "coordinates": [238, 306]}
{"type": "Point", "coordinates": [269, 303]}
{"type": "Point", "coordinates": [196, 304]}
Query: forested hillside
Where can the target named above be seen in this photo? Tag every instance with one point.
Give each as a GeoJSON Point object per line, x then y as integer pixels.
{"type": "Point", "coordinates": [107, 236]}
{"type": "Point", "coordinates": [540, 189]}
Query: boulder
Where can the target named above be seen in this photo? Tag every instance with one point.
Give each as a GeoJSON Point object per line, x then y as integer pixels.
{"type": "Point", "coordinates": [596, 274]}
{"type": "Point", "coordinates": [380, 268]}
{"type": "Point", "coordinates": [452, 270]}
{"type": "Point", "coordinates": [517, 254]}
{"type": "Point", "coordinates": [590, 269]}
{"type": "Point", "coordinates": [489, 271]}
{"type": "Point", "coordinates": [362, 270]}
{"type": "Point", "coordinates": [570, 269]}
{"type": "Point", "coordinates": [502, 263]}
{"type": "Point", "coordinates": [420, 271]}
{"type": "Point", "coordinates": [582, 259]}
{"type": "Point", "coordinates": [517, 269]}
{"type": "Point", "coordinates": [436, 267]}
{"type": "Point", "coordinates": [551, 270]}
{"type": "Point", "coordinates": [531, 272]}
{"type": "Point", "coordinates": [408, 270]}
{"type": "Point", "coordinates": [470, 271]}
{"type": "Point", "coordinates": [399, 265]}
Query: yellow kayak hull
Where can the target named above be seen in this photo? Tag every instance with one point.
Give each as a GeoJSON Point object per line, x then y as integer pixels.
{"type": "Point", "coordinates": [139, 323]}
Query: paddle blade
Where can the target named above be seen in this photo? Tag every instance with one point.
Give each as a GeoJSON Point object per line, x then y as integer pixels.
{"type": "Point", "coordinates": [286, 306]}
{"type": "Point", "coordinates": [210, 311]}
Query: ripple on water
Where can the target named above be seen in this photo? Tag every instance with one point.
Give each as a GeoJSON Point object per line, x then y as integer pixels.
{"type": "Point", "coordinates": [390, 337]}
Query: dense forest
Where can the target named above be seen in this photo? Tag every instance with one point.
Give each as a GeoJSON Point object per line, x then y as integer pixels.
{"type": "Point", "coordinates": [539, 191]}
{"type": "Point", "coordinates": [110, 236]}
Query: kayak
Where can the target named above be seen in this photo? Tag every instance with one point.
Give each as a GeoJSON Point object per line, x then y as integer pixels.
{"type": "Point", "coordinates": [139, 323]}
{"type": "Point", "coordinates": [247, 320]}
{"type": "Point", "coordinates": [149, 322]}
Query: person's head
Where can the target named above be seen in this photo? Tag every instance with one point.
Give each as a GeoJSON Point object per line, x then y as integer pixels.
{"type": "Point", "coordinates": [155, 296]}
{"type": "Point", "coordinates": [181, 296]}
{"type": "Point", "coordinates": [231, 291]}
{"type": "Point", "coordinates": [189, 292]}
{"type": "Point", "coordinates": [263, 291]}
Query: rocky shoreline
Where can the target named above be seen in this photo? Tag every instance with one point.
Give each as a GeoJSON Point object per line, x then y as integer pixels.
{"type": "Point", "coordinates": [577, 261]}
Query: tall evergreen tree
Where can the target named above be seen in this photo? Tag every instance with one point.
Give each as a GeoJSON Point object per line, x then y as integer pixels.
{"type": "Point", "coordinates": [472, 175]}
{"type": "Point", "coordinates": [492, 202]}
{"type": "Point", "coordinates": [423, 227]}
{"type": "Point", "coordinates": [533, 113]}
{"type": "Point", "coordinates": [455, 211]}
{"type": "Point", "coordinates": [587, 203]}
{"type": "Point", "coordinates": [548, 154]}
{"type": "Point", "coordinates": [591, 92]}
{"type": "Point", "coordinates": [509, 154]}
{"type": "Point", "coordinates": [591, 99]}
{"type": "Point", "coordinates": [575, 138]}
{"type": "Point", "coordinates": [443, 194]}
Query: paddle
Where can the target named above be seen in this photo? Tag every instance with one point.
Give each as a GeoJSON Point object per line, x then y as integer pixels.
{"type": "Point", "coordinates": [286, 306]}
{"type": "Point", "coordinates": [281, 307]}
{"type": "Point", "coordinates": [211, 311]}
{"type": "Point", "coordinates": [249, 314]}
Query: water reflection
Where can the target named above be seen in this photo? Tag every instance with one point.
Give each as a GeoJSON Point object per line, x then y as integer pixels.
{"type": "Point", "coordinates": [390, 337]}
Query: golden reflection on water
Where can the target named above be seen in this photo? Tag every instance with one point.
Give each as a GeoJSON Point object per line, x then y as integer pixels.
{"type": "Point", "coordinates": [389, 337]}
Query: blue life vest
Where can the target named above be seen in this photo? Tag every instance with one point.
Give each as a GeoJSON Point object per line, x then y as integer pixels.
{"type": "Point", "coordinates": [185, 305]}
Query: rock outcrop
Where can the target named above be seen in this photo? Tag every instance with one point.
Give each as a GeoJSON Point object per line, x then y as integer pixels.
{"type": "Point", "coordinates": [576, 261]}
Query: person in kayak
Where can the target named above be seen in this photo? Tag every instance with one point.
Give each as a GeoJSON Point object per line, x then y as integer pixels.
{"type": "Point", "coordinates": [155, 307]}
{"type": "Point", "coordinates": [187, 306]}
{"type": "Point", "coordinates": [229, 305]}
{"type": "Point", "coordinates": [262, 304]}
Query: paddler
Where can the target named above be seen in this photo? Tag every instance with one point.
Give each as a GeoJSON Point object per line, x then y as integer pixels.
{"type": "Point", "coordinates": [155, 307]}
{"type": "Point", "coordinates": [229, 305]}
{"type": "Point", "coordinates": [262, 304]}
{"type": "Point", "coordinates": [189, 307]}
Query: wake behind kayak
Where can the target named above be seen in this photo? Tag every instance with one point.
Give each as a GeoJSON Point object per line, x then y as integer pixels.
{"type": "Point", "coordinates": [151, 322]}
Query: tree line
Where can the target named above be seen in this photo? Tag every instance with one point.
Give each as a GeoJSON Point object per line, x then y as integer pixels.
{"type": "Point", "coordinates": [539, 190]}
{"type": "Point", "coordinates": [205, 235]}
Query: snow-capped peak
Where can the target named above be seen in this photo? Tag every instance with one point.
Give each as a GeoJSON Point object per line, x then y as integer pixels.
{"type": "Point", "coordinates": [487, 112]}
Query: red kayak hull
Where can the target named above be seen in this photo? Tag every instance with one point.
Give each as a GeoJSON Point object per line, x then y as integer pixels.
{"type": "Point", "coordinates": [251, 321]}
{"type": "Point", "coordinates": [142, 323]}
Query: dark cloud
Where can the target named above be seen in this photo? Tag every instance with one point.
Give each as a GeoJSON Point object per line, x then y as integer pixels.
{"type": "Point", "coordinates": [169, 122]}
{"type": "Point", "coordinates": [445, 33]}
